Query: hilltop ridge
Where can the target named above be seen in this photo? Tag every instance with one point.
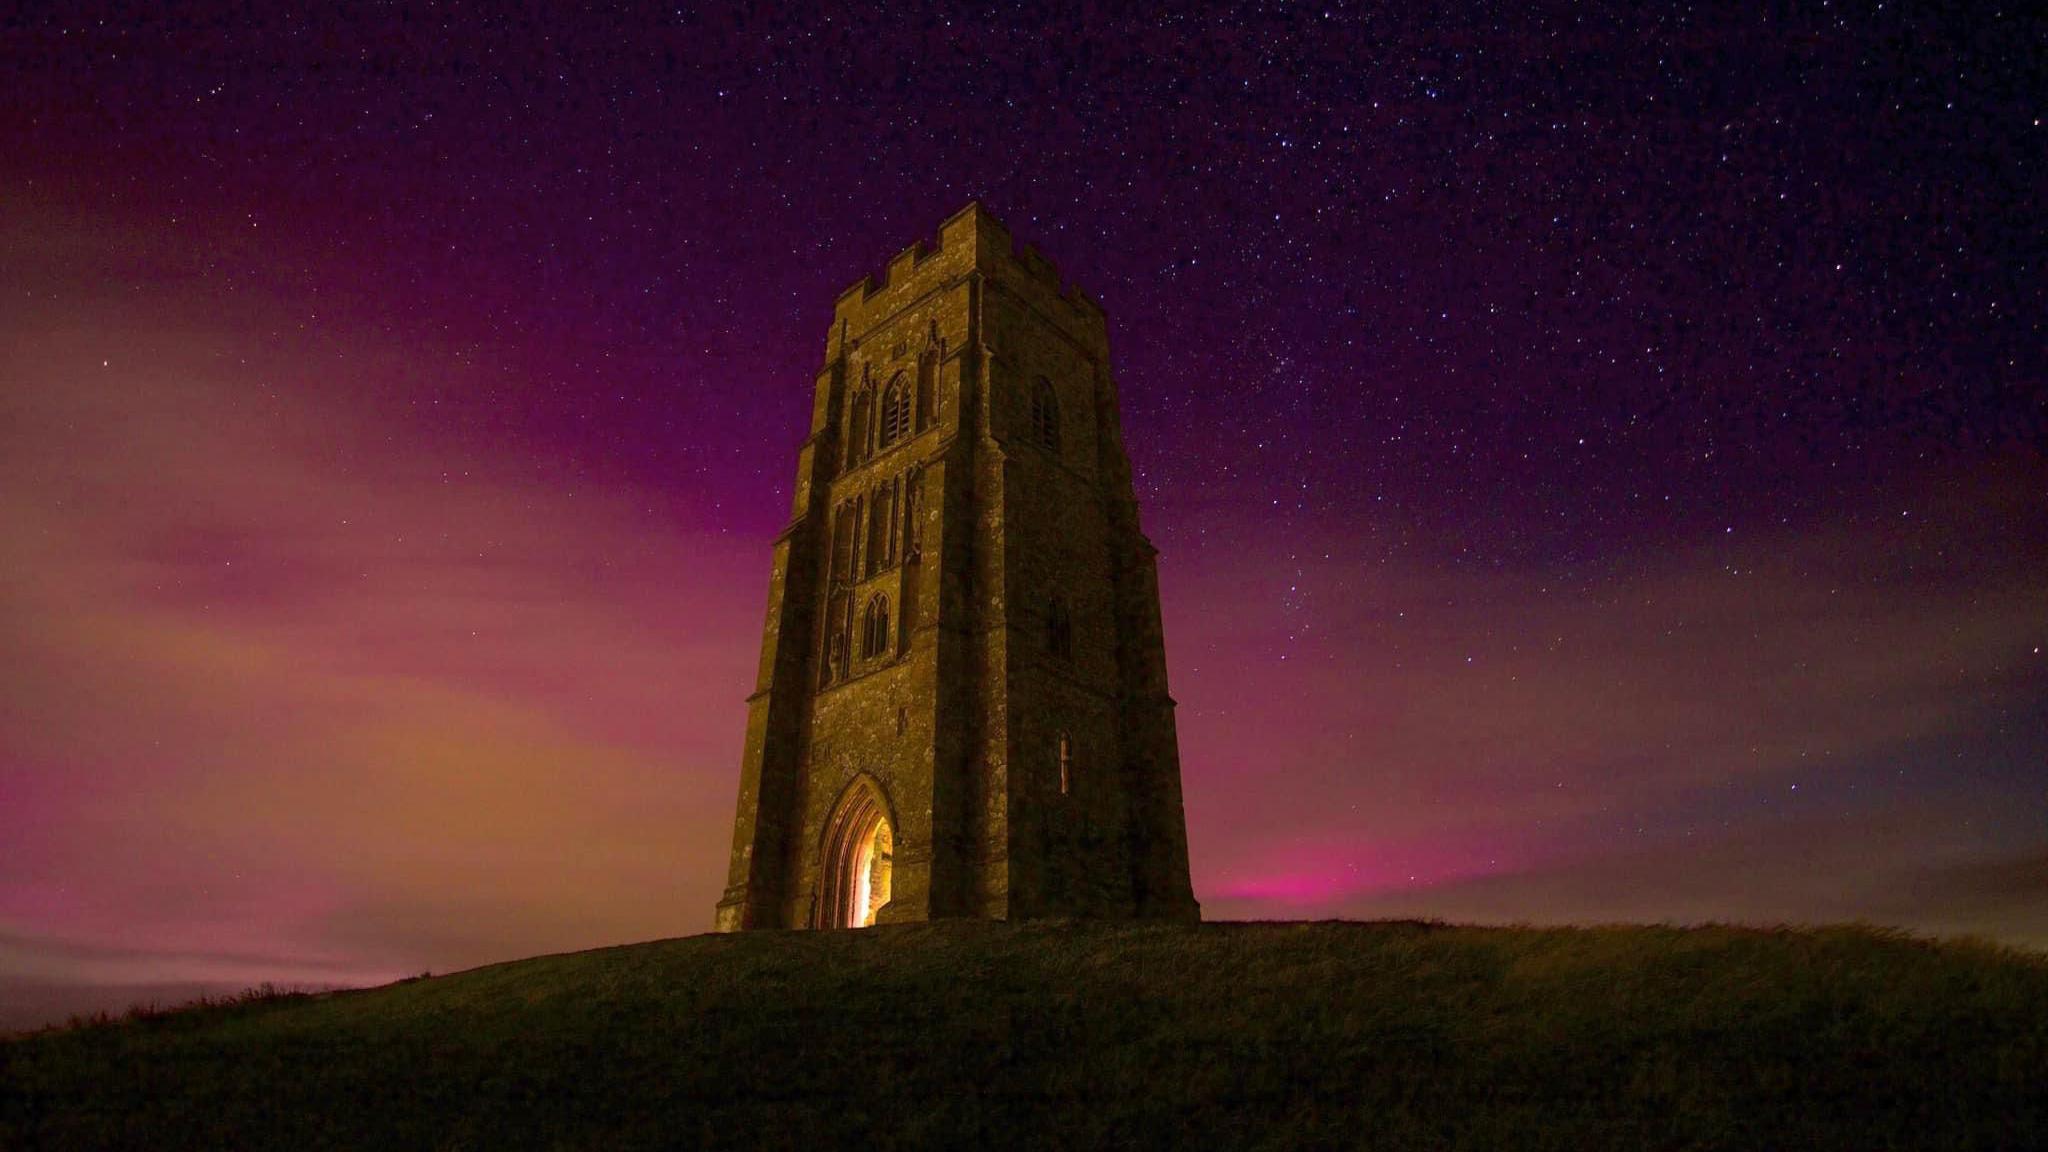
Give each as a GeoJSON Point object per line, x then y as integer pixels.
{"type": "Point", "coordinates": [1390, 1035]}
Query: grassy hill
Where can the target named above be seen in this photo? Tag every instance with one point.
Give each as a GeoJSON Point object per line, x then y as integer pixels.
{"type": "Point", "coordinates": [1385, 1035]}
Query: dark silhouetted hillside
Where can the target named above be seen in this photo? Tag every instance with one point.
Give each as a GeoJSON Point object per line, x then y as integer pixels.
{"type": "Point", "coordinates": [1384, 1035]}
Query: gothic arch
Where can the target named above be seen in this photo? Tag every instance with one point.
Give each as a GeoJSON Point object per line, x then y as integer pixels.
{"type": "Point", "coordinates": [856, 860]}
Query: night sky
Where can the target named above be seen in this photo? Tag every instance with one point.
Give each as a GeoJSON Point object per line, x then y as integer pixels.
{"type": "Point", "coordinates": [1599, 459]}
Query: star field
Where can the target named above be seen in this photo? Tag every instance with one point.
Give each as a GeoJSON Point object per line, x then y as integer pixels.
{"type": "Point", "coordinates": [1596, 453]}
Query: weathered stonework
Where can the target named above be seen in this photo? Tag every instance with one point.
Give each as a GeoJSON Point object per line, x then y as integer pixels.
{"type": "Point", "coordinates": [963, 643]}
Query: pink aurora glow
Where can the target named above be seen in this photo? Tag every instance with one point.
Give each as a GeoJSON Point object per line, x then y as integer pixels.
{"type": "Point", "coordinates": [307, 681]}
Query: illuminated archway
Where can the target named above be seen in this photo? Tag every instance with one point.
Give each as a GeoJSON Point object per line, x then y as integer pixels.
{"type": "Point", "coordinates": [859, 858]}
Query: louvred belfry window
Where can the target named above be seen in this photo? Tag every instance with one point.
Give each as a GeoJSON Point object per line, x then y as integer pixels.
{"type": "Point", "coordinates": [895, 411]}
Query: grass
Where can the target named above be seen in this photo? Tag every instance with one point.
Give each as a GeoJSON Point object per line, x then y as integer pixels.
{"type": "Point", "coordinates": [1377, 1035]}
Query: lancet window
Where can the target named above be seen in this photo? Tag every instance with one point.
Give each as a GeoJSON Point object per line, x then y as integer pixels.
{"type": "Point", "coordinates": [874, 627]}
{"type": "Point", "coordinates": [1045, 416]}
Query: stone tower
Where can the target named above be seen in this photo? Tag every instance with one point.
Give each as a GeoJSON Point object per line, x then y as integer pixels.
{"type": "Point", "coordinates": [961, 708]}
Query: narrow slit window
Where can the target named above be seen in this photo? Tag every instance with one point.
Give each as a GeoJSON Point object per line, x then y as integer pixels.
{"type": "Point", "coordinates": [1064, 752]}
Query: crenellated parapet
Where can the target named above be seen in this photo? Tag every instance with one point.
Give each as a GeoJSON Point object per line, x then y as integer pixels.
{"type": "Point", "coordinates": [970, 240]}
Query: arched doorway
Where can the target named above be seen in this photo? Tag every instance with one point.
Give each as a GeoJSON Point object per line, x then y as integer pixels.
{"type": "Point", "coordinates": [859, 858]}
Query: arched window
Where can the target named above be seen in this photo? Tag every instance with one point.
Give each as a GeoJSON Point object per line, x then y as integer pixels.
{"type": "Point", "coordinates": [874, 627]}
{"type": "Point", "coordinates": [1059, 630]}
{"type": "Point", "coordinates": [895, 414]}
{"type": "Point", "coordinates": [857, 427]}
{"type": "Point", "coordinates": [1063, 752]}
{"type": "Point", "coordinates": [1045, 416]}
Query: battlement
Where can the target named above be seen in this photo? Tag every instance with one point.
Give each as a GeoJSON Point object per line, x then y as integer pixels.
{"type": "Point", "coordinates": [969, 238]}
